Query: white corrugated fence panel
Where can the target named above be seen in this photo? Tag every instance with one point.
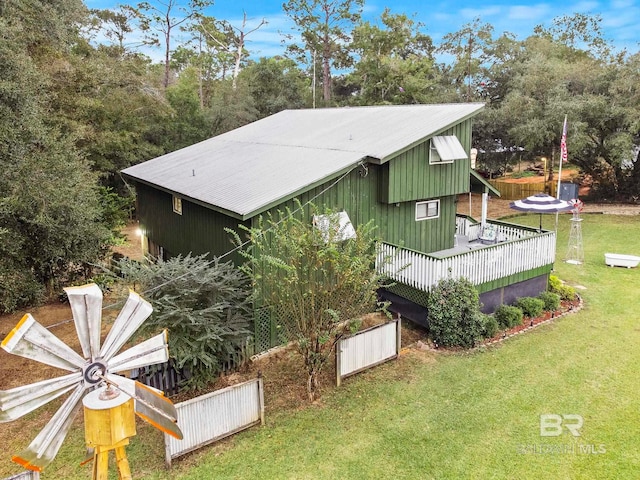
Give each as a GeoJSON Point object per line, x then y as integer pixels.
{"type": "Point", "coordinates": [216, 415]}
{"type": "Point", "coordinates": [369, 347]}
{"type": "Point", "coordinates": [29, 475]}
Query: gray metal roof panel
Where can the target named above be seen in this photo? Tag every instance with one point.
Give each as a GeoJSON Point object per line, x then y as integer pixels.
{"type": "Point", "coordinates": [253, 166]}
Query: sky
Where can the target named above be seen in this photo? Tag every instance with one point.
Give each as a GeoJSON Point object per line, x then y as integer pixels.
{"type": "Point", "coordinates": [619, 18]}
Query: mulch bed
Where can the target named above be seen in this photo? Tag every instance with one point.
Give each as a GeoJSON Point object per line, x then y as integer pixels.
{"type": "Point", "coordinates": [566, 307]}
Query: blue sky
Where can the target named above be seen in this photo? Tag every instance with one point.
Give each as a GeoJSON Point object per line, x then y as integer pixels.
{"type": "Point", "coordinates": [620, 17]}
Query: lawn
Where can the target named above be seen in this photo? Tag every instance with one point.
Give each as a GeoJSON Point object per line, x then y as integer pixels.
{"type": "Point", "coordinates": [472, 415]}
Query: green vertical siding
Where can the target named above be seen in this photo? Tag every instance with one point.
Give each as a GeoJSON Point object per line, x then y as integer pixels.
{"type": "Point", "coordinates": [409, 176]}
{"type": "Point", "coordinates": [198, 230]}
{"type": "Point", "coordinates": [359, 196]}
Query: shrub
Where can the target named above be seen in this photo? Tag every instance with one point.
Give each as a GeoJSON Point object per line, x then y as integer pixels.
{"type": "Point", "coordinates": [530, 306]}
{"type": "Point", "coordinates": [18, 288]}
{"type": "Point", "coordinates": [566, 292]}
{"type": "Point", "coordinates": [508, 316]}
{"type": "Point", "coordinates": [490, 326]}
{"type": "Point", "coordinates": [551, 301]}
{"type": "Point", "coordinates": [454, 314]}
{"type": "Point", "coordinates": [204, 305]}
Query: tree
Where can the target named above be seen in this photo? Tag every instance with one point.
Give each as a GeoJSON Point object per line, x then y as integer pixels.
{"type": "Point", "coordinates": [319, 281]}
{"type": "Point", "coordinates": [190, 123]}
{"type": "Point", "coordinates": [159, 18]}
{"type": "Point", "coordinates": [468, 47]}
{"type": "Point", "coordinates": [395, 63]}
{"type": "Point", "coordinates": [115, 25]}
{"type": "Point", "coordinates": [324, 27]}
{"type": "Point", "coordinates": [203, 304]}
{"type": "Point", "coordinates": [236, 38]}
{"type": "Point", "coordinates": [50, 215]}
{"type": "Point", "coordinates": [576, 29]}
{"type": "Point", "coordinates": [108, 103]}
{"type": "Point", "coordinates": [275, 84]}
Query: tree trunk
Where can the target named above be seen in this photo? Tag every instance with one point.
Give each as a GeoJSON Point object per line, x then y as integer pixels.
{"type": "Point", "coordinates": [312, 383]}
{"type": "Point", "coordinates": [167, 39]}
{"type": "Point", "coordinates": [236, 68]}
{"type": "Point", "coordinates": [326, 71]}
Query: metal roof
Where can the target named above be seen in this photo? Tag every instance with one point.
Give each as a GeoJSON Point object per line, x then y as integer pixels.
{"type": "Point", "coordinates": [245, 171]}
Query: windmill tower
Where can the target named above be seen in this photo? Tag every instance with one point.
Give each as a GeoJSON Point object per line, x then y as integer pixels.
{"type": "Point", "coordinates": [575, 250]}
{"type": "Point", "coordinates": [110, 401]}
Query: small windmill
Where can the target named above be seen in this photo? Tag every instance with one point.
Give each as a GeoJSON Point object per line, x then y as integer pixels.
{"type": "Point", "coordinates": [110, 401]}
{"type": "Point", "coordinates": [575, 249]}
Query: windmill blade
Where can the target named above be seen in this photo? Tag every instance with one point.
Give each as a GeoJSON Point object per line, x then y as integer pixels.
{"type": "Point", "coordinates": [150, 405]}
{"type": "Point", "coordinates": [19, 401]}
{"type": "Point", "coordinates": [150, 352]}
{"type": "Point", "coordinates": [86, 307]}
{"type": "Point", "coordinates": [31, 340]}
{"type": "Point", "coordinates": [135, 311]}
{"type": "Point", "coordinates": [45, 446]}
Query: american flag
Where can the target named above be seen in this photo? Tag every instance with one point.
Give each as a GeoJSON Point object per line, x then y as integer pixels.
{"type": "Point", "coordinates": [563, 142]}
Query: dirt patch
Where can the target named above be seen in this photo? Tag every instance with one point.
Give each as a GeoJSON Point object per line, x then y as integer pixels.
{"type": "Point", "coordinates": [131, 246]}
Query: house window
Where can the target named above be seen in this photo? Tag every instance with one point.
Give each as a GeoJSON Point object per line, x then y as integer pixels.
{"type": "Point", "coordinates": [427, 210]}
{"type": "Point", "coordinates": [177, 205]}
{"type": "Point", "coordinates": [446, 149]}
{"type": "Point", "coordinates": [340, 222]}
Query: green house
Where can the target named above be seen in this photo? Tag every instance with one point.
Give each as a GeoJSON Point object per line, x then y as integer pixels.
{"type": "Point", "coordinates": [402, 166]}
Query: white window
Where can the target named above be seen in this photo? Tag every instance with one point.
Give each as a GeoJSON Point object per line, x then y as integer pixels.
{"type": "Point", "coordinates": [177, 205]}
{"type": "Point", "coordinates": [341, 224]}
{"type": "Point", "coordinates": [427, 210]}
{"type": "Point", "coordinates": [446, 149]}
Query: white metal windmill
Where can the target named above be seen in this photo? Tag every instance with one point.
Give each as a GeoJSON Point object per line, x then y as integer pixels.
{"type": "Point", "coordinates": [92, 381]}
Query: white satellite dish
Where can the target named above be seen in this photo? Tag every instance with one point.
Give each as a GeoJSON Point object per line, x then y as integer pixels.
{"type": "Point", "coordinates": [95, 368]}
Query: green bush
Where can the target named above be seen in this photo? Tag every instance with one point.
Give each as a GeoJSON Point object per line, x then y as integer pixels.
{"type": "Point", "coordinates": [508, 316]}
{"type": "Point", "coordinates": [551, 301]}
{"type": "Point", "coordinates": [454, 315]}
{"type": "Point", "coordinates": [490, 326]}
{"type": "Point", "coordinates": [566, 292]}
{"type": "Point", "coordinates": [18, 288]}
{"type": "Point", "coordinates": [204, 305]}
{"type": "Point", "coordinates": [530, 306]}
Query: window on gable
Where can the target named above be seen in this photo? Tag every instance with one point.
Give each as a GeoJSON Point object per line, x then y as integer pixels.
{"type": "Point", "coordinates": [446, 149]}
{"type": "Point", "coordinates": [177, 205]}
{"type": "Point", "coordinates": [427, 210]}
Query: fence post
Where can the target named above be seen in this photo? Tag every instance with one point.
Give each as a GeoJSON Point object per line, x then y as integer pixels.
{"type": "Point", "coordinates": [338, 363]}
{"type": "Point", "coordinates": [398, 333]}
{"type": "Point", "coordinates": [261, 396]}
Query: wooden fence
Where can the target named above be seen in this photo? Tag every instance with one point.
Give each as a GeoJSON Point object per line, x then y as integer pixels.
{"type": "Point", "coordinates": [367, 349]}
{"type": "Point", "coordinates": [516, 191]}
{"type": "Point", "coordinates": [216, 415]}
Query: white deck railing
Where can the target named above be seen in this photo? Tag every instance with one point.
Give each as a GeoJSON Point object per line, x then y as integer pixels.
{"type": "Point", "coordinates": [471, 229]}
{"type": "Point", "coordinates": [480, 265]}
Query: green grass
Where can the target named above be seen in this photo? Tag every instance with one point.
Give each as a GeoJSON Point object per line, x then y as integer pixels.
{"type": "Point", "coordinates": [459, 416]}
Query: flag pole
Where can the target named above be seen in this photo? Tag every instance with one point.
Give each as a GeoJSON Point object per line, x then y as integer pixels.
{"type": "Point", "coordinates": [563, 155]}
{"type": "Point", "coordinates": [563, 158]}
